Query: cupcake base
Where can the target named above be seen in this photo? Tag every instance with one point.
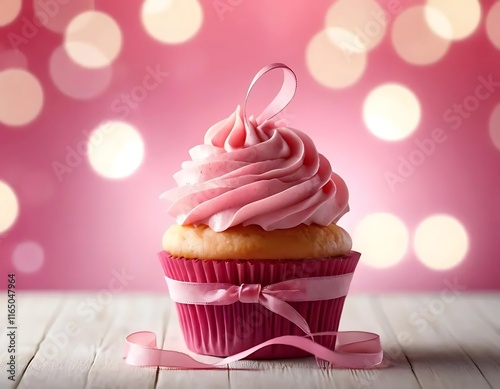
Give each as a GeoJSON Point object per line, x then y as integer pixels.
{"type": "Point", "coordinates": [223, 330]}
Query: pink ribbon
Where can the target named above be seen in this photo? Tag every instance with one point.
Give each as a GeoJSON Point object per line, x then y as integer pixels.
{"type": "Point", "coordinates": [281, 100]}
{"type": "Point", "coordinates": [355, 350]}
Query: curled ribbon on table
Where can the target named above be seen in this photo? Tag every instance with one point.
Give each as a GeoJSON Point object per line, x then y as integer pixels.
{"type": "Point", "coordinates": [356, 350]}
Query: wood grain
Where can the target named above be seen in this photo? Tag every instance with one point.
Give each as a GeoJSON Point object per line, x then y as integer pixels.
{"type": "Point", "coordinates": [430, 341]}
{"type": "Point", "coordinates": [436, 356]}
{"type": "Point", "coordinates": [35, 314]}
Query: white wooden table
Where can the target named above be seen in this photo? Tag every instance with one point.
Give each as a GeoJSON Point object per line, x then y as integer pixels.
{"type": "Point", "coordinates": [75, 341]}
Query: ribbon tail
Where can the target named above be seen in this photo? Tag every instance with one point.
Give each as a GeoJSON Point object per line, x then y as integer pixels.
{"type": "Point", "coordinates": [140, 351]}
{"type": "Point", "coordinates": [284, 309]}
{"type": "Point", "coordinates": [361, 350]}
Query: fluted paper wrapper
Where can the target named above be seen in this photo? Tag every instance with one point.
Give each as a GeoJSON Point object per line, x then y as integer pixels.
{"type": "Point", "coordinates": [223, 330]}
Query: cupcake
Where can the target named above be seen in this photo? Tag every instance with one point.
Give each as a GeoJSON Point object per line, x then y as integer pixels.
{"type": "Point", "coordinates": [255, 206]}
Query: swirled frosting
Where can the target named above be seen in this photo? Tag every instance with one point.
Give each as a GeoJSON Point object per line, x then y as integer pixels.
{"type": "Point", "coordinates": [268, 175]}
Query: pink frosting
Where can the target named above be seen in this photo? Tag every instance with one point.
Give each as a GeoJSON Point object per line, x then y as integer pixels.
{"type": "Point", "coordinates": [244, 174]}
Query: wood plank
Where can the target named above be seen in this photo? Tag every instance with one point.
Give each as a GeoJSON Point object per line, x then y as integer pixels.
{"type": "Point", "coordinates": [35, 313]}
{"type": "Point", "coordinates": [133, 312]}
{"type": "Point", "coordinates": [435, 355]}
{"type": "Point", "coordinates": [487, 305]}
{"type": "Point", "coordinates": [479, 334]}
{"type": "Point", "coordinates": [67, 351]}
{"type": "Point", "coordinates": [365, 314]}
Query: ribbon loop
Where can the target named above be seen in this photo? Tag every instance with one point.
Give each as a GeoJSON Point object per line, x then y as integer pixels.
{"type": "Point", "coordinates": [281, 100]}
{"type": "Point", "coordinates": [249, 293]}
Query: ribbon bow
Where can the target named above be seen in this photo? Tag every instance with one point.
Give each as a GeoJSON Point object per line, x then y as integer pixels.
{"type": "Point", "coordinates": [274, 297]}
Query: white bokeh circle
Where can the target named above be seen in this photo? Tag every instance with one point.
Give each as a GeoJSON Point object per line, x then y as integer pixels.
{"type": "Point", "coordinates": [28, 257]}
{"type": "Point", "coordinates": [21, 97]}
{"type": "Point", "coordinates": [463, 18]}
{"type": "Point", "coordinates": [9, 207]}
{"type": "Point", "coordinates": [57, 14]}
{"type": "Point", "coordinates": [413, 38]}
{"type": "Point", "coordinates": [115, 150]}
{"type": "Point", "coordinates": [9, 10]}
{"type": "Point", "coordinates": [172, 21]}
{"type": "Point", "coordinates": [76, 81]}
{"type": "Point", "coordinates": [382, 238]}
{"type": "Point", "coordinates": [441, 242]}
{"type": "Point", "coordinates": [363, 21]}
{"type": "Point", "coordinates": [93, 39]}
{"type": "Point", "coordinates": [493, 25]}
{"type": "Point", "coordinates": [332, 65]}
{"type": "Point", "coordinates": [494, 126]}
{"type": "Point", "coordinates": [391, 112]}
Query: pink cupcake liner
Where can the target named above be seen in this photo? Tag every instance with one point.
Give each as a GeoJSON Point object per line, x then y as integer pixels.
{"type": "Point", "coordinates": [228, 329]}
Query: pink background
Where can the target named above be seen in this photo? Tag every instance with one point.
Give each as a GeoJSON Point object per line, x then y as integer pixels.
{"type": "Point", "coordinates": [90, 227]}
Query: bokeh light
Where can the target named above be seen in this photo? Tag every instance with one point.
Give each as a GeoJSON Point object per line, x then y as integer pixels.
{"type": "Point", "coordinates": [413, 39]}
{"type": "Point", "coordinates": [364, 20]}
{"type": "Point", "coordinates": [382, 238]}
{"type": "Point", "coordinates": [438, 22]}
{"type": "Point", "coordinates": [391, 112]}
{"type": "Point", "coordinates": [58, 14]}
{"type": "Point", "coordinates": [441, 242]}
{"type": "Point", "coordinates": [172, 21]}
{"type": "Point", "coordinates": [115, 150]}
{"type": "Point", "coordinates": [463, 17]}
{"type": "Point", "coordinates": [28, 257]}
{"type": "Point", "coordinates": [345, 39]}
{"type": "Point", "coordinates": [93, 39]}
{"type": "Point", "coordinates": [494, 126]}
{"type": "Point", "coordinates": [9, 207]}
{"type": "Point", "coordinates": [76, 81]}
{"type": "Point", "coordinates": [9, 10]}
{"type": "Point", "coordinates": [21, 97]}
{"type": "Point", "coordinates": [493, 25]}
{"type": "Point", "coordinates": [331, 65]}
